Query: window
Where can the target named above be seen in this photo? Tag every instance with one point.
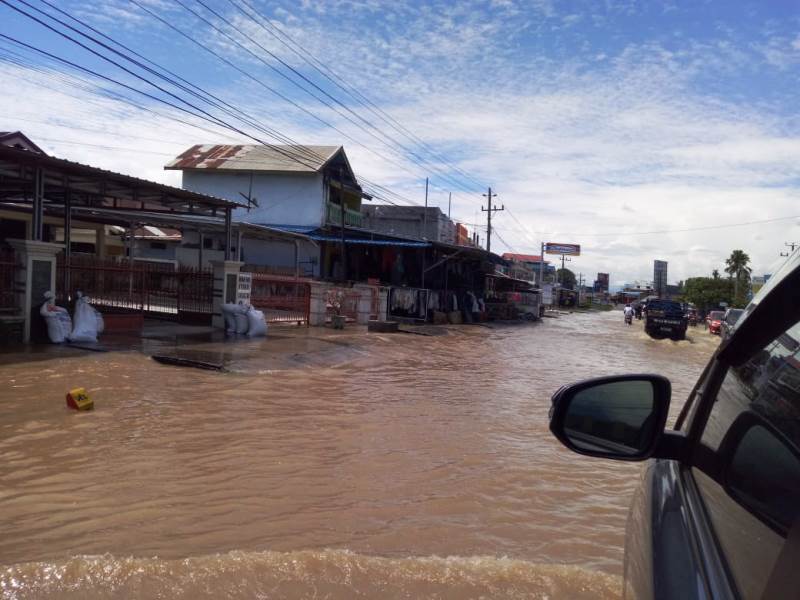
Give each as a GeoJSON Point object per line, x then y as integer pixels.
{"type": "Point", "coordinates": [208, 243]}
{"type": "Point", "coordinates": [748, 465]}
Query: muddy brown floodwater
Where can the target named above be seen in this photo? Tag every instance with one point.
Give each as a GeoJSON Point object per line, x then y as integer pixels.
{"type": "Point", "coordinates": [400, 466]}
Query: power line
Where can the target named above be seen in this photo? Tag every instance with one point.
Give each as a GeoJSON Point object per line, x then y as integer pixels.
{"type": "Point", "coordinates": [336, 79]}
{"type": "Point", "coordinates": [210, 118]}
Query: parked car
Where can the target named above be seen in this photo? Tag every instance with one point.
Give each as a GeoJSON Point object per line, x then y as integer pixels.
{"type": "Point", "coordinates": [665, 318]}
{"type": "Point", "coordinates": [729, 321]}
{"type": "Point", "coordinates": [717, 510]}
{"type": "Point", "coordinates": [714, 320]}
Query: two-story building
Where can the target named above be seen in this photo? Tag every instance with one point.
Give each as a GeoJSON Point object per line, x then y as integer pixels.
{"type": "Point", "coordinates": [307, 192]}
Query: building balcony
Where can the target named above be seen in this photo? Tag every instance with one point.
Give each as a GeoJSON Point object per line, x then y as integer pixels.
{"type": "Point", "coordinates": [352, 218]}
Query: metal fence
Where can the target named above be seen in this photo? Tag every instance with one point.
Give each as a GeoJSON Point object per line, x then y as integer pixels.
{"type": "Point", "coordinates": [281, 299]}
{"type": "Point", "coordinates": [8, 271]}
{"type": "Point", "coordinates": [159, 289]}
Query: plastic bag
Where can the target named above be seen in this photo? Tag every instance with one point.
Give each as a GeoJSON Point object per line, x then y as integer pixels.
{"type": "Point", "coordinates": [85, 323]}
{"type": "Point", "coordinates": [257, 326]}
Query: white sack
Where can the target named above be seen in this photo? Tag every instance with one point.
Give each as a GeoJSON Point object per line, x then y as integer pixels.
{"type": "Point", "coordinates": [241, 322]}
{"type": "Point", "coordinates": [50, 313]}
{"type": "Point", "coordinates": [257, 326]}
{"type": "Point", "coordinates": [85, 324]}
{"type": "Point", "coordinates": [228, 311]}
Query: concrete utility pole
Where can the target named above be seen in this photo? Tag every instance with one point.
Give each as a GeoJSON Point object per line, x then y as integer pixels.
{"type": "Point", "coordinates": [449, 202]}
{"type": "Point", "coordinates": [564, 259]}
{"type": "Point", "coordinates": [424, 235]}
{"type": "Point", "coordinates": [541, 268]}
{"type": "Point", "coordinates": [489, 212]}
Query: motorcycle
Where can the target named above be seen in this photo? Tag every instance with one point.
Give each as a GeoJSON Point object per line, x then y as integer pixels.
{"type": "Point", "coordinates": [628, 319]}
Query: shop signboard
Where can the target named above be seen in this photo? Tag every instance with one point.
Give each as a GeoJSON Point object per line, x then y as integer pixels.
{"type": "Point", "coordinates": [565, 249]}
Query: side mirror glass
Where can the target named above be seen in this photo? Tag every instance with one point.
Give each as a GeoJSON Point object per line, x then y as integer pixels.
{"type": "Point", "coordinates": [767, 488]}
{"type": "Point", "coordinates": [619, 417]}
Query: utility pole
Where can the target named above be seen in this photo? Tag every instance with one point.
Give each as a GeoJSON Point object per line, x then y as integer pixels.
{"type": "Point", "coordinates": [541, 268]}
{"type": "Point", "coordinates": [489, 212]}
{"type": "Point", "coordinates": [424, 235]}
{"type": "Point", "coordinates": [449, 202]}
{"type": "Point", "coordinates": [791, 246]}
{"type": "Point", "coordinates": [564, 259]}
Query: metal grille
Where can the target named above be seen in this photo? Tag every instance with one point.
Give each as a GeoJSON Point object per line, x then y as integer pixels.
{"type": "Point", "coordinates": [158, 289]}
{"type": "Point", "coordinates": [282, 300]}
{"type": "Point", "coordinates": [8, 270]}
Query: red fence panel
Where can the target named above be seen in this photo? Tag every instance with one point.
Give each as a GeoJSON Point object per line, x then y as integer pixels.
{"type": "Point", "coordinates": [282, 300]}
{"type": "Point", "coordinates": [158, 289]}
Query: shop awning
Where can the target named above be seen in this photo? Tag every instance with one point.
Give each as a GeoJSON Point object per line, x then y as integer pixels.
{"type": "Point", "coordinates": [321, 235]}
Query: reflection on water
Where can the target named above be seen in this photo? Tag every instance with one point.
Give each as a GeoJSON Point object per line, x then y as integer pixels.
{"type": "Point", "coordinates": [334, 482]}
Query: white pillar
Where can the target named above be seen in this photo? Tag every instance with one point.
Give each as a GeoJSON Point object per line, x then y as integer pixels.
{"type": "Point", "coordinates": [317, 313]}
{"type": "Point", "coordinates": [36, 275]}
{"type": "Point", "coordinates": [226, 281]}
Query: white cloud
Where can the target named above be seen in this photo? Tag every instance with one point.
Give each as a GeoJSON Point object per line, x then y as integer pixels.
{"type": "Point", "coordinates": [588, 150]}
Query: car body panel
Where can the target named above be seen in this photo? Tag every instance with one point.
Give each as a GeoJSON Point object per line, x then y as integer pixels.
{"type": "Point", "coordinates": [652, 561]}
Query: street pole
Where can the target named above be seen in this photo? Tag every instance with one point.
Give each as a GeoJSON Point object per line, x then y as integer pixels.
{"type": "Point", "coordinates": [449, 202]}
{"type": "Point", "coordinates": [489, 212]}
{"type": "Point", "coordinates": [424, 235]}
{"type": "Point", "coordinates": [541, 268]}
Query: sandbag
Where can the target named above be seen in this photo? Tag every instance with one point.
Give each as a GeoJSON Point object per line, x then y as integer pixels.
{"type": "Point", "coordinates": [241, 322]}
{"type": "Point", "coordinates": [257, 326]}
{"type": "Point", "coordinates": [57, 319]}
{"type": "Point", "coordinates": [228, 311]}
{"type": "Point", "coordinates": [85, 323]}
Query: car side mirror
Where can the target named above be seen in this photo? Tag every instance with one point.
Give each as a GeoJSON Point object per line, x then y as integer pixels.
{"type": "Point", "coordinates": [620, 417]}
{"type": "Point", "coordinates": [767, 488]}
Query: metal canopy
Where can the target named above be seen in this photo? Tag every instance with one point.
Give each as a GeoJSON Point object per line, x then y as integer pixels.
{"type": "Point", "coordinates": [24, 176]}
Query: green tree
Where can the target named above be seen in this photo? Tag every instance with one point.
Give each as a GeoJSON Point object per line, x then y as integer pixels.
{"type": "Point", "coordinates": [566, 278]}
{"type": "Point", "coordinates": [715, 274]}
{"type": "Point", "coordinates": [736, 266]}
{"type": "Point", "coordinates": [708, 292]}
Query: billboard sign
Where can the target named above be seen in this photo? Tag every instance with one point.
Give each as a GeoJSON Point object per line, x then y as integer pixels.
{"type": "Point", "coordinates": [602, 282]}
{"type": "Point", "coordinates": [568, 249]}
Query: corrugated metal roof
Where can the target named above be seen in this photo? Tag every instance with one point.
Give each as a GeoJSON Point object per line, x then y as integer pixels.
{"type": "Point", "coordinates": [274, 158]}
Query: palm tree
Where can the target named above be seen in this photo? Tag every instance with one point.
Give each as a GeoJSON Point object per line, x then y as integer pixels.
{"type": "Point", "coordinates": [715, 274]}
{"type": "Point", "coordinates": [736, 267]}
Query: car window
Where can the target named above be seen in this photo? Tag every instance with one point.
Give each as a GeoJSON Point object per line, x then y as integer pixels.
{"type": "Point", "coordinates": [748, 466]}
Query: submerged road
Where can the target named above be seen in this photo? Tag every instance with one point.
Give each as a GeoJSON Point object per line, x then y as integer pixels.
{"type": "Point", "coordinates": [398, 466]}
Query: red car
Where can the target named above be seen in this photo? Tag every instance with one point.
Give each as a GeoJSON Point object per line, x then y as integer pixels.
{"type": "Point", "coordinates": [714, 320]}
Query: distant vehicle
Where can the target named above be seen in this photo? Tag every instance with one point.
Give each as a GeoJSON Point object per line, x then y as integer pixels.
{"type": "Point", "coordinates": [691, 316]}
{"type": "Point", "coordinates": [729, 320]}
{"type": "Point", "coordinates": [716, 512]}
{"type": "Point", "coordinates": [665, 318]}
{"type": "Point", "coordinates": [714, 320]}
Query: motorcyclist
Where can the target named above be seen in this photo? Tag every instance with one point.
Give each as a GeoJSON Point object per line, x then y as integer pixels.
{"type": "Point", "coordinates": [628, 311]}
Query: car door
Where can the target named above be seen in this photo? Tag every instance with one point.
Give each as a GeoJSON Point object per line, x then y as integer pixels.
{"type": "Point", "coordinates": [720, 520]}
{"type": "Point", "coordinates": [745, 469]}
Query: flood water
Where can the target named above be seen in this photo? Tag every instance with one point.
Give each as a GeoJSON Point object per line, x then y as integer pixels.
{"type": "Point", "coordinates": [403, 466]}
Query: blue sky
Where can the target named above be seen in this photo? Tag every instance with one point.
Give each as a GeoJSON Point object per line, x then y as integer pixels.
{"type": "Point", "coordinates": [594, 121]}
